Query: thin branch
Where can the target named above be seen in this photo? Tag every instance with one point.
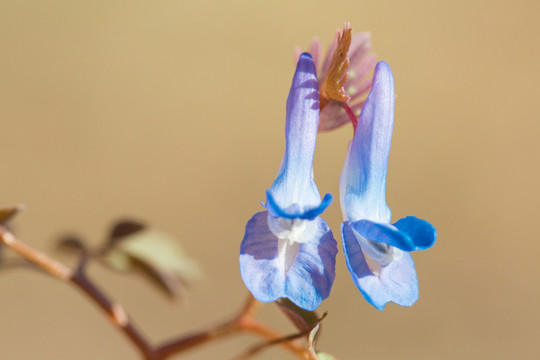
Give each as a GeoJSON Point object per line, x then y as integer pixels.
{"type": "Point", "coordinates": [278, 341]}
{"type": "Point", "coordinates": [46, 263]}
{"type": "Point", "coordinates": [308, 353]}
{"type": "Point", "coordinates": [244, 322]}
{"type": "Point", "coordinates": [115, 312]}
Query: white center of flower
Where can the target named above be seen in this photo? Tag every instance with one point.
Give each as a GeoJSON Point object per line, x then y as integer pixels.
{"type": "Point", "coordinates": [381, 253]}
{"type": "Point", "coordinates": [294, 230]}
{"type": "Point", "coordinates": [377, 254]}
{"type": "Point", "coordinates": [287, 251]}
{"type": "Point", "coordinates": [291, 233]}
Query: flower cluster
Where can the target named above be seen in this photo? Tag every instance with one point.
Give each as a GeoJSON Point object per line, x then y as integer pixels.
{"type": "Point", "coordinates": [288, 251]}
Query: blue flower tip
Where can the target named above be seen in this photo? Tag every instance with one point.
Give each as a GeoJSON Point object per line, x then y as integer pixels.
{"type": "Point", "coordinates": [384, 72]}
{"type": "Point", "coordinates": [306, 56]}
{"type": "Point", "coordinates": [422, 233]}
{"type": "Point", "coordinates": [327, 200]}
{"type": "Point", "coordinates": [382, 63]}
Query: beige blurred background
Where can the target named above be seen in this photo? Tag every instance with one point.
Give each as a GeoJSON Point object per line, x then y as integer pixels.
{"type": "Point", "coordinates": [173, 112]}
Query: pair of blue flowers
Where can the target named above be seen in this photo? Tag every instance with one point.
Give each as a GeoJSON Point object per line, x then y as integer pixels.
{"type": "Point", "coordinates": [288, 251]}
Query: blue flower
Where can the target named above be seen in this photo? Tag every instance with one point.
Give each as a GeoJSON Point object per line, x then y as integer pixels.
{"type": "Point", "coordinates": [288, 251]}
{"type": "Point", "coordinates": [377, 252]}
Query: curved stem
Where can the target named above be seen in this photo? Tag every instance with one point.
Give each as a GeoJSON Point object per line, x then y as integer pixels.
{"type": "Point", "coordinates": [49, 265]}
{"type": "Point", "coordinates": [115, 312]}
{"type": "Point", "coordinates": [244, 322]}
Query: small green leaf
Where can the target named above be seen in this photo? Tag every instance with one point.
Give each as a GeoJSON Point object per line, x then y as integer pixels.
{"type": "Point", "coordinates": [325, 356]}
{"type": "Point", "coordinates": [156, 254]}
{"type": "Point", "coordinates": [118, 260]}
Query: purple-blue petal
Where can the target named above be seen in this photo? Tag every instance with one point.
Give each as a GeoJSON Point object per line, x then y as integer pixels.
{"type": "Point", "coordinates": [294, 183]}
{"type": "Point", "coordinates": [364, 173]}
{"type": "Point", "coordinates": [397, 281]}
{"type": "Point", "coordinates": [309, 279]}
{"type": "Point", "coordinates": [275, 210]}
{"type": "Point", "coordinates": [422, 233]}
{"type": "Point", "coordinates": [383, 233]}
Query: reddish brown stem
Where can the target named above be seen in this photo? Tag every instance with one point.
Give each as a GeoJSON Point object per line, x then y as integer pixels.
{"type": "Point", "coordinates": [353, 118]}
{"type": "Point", "coordinates": [244, 322]}
{"type": "Point", "coordinates": [116, 313]}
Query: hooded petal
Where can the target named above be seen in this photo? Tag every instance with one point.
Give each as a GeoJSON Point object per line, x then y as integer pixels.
{"type": "Point", "coordinates": [303, 272]}
{"type": "Point", "coordinates": [408, 234]}
{"type": "Point", "coordinates": [294, 183]}
{"type": "Point", "coordinates": [364, 174]}
{"type": "Point", "coordinates": [395, 282]}
{"type": "Point", "coordinates": [422, 233]}
{"type": "Point", "coordinates": [383, 233]}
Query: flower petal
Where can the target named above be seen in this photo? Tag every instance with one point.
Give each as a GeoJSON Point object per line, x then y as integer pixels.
{"type": "Point", "coordinates": [308, 279]}
{"type": "Point", "coordinates": [274, 209]}
{"type": "Point", "coordinates": [364, 173]}
{"type": "Point", "coordinates": [396, 282]}
{"type": "Point", "coordinates": [422, 233]}
{"type": "Point", "coordinates": [294, 183]}
{"type": "Point", "coordinates": [383, 233]}
{"type": "Point", "coordinates": [258, 260]}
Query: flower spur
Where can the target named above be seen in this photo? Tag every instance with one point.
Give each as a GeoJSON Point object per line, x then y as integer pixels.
{"type": "Point", "coordinates": [376, 252]}
{"type": "Point", "coordinates": [288, 251]}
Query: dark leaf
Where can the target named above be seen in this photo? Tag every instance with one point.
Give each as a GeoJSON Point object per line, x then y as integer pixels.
{"type": "Point", "coordinates": [123, 229]}
{"type": "Point", "coordinates": [7, 213]}
{"type": "Point", "coordinates": [302, 319]}
{"type": "Point", "coordinates": [72, 244]}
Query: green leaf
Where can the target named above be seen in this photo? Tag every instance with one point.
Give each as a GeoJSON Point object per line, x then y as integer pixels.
{"type": "Point", "coordinates": [158, 255]}
{"type": "Point", "coordinates": [325, 356]}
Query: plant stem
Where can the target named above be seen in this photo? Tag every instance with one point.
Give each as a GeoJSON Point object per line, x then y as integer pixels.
{"type": "Point", "coordinates": [245, 321]}
{"type": "Point", "coordinates": [46, 263]}
{"type": "Point", "coordinates": [117, 314]}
